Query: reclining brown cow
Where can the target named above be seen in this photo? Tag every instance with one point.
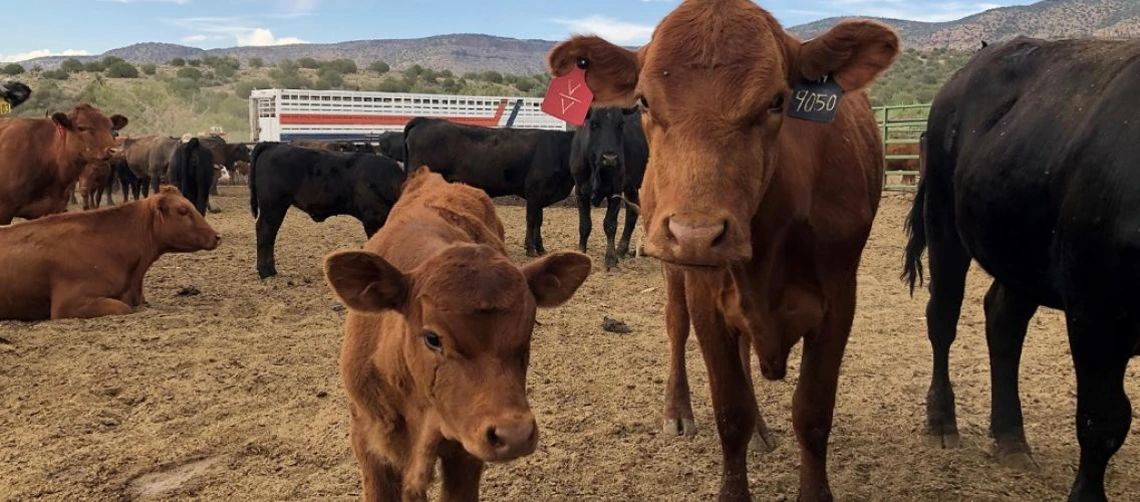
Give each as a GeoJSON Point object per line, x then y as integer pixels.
{"type": "Point", "coordinates": [437, 340]}
{"type": "Point", "coordinates": [41, 159]}
{"type": "Point", "coordinates": [68, 266]}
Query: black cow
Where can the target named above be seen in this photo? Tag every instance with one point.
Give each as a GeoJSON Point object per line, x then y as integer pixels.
{"type": "Point", "coordinates": [192, 172]}
{"type": "Point", "coordinates": [127, 179]}
{"type": "Point", "coordinates": [320, 183]}
{"type": "Point", "coordinates": [391, 145]}
{"type": "Point", "coordinates": [15, 93]}
{"type": "Point", "coordinates": [1031, 159]}
{"type": "Point", "coordinates": [528, 163]}
{"type": "Point", "coordinates": [608, 160]}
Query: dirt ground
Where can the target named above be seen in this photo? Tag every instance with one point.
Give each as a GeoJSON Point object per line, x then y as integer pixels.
{"type": "Point", "coordinates": [233, 393]}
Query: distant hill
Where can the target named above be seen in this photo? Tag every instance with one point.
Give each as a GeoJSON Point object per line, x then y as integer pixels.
{"type": "Point", "coordinates": [1045, 19]}
{"type": "Point", "coordinates": [477, 53]}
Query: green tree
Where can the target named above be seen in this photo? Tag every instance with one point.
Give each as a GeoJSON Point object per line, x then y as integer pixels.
{"type": "Point", "coordinates": [178, 62]}
{"type": "Point", "coordinates": [122, 69]}
{"type": "Point", "coordinates": [413, 72]}
{"type": "Point", "coordinates": [446, 74]}
{"type": "Point", "coordinates": [54, 75]}
{"type": "Point", "coordinates": [194, 62]}
{"type": "Point", "coordinates": [149, 69]}
{"type": "Point", "coordinates": [379, 67]}
{"type": "Point", "coordinates": [394, 85]}
{"type": "Point", "coordinates": [256, 62]}
{"type": "Point", "coordinates": [342, 66]}
{"type": "Point", "coordinates": [12, 69]}
{"type": "Point", "coordinates": [492, 76]}
{"type": "Point", "coordinates": [329, 78]}
{"type": "Point", "coordinates": [71, 65]}
{"type": "Point", "coordinates": [525, 84]}
{"type": "Point", "coordinates": [308, 63]}
{"type": "Point", "coordinates": [94, 67]}
{"type": "Point", "coordinates": [110, 60]}
{"type": "Point", "coordinates": [190, 73]}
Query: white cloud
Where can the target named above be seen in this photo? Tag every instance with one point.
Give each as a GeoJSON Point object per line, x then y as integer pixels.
{"type": "Point", "coordinates": [912, 10]}
{"type": "Point", "coordinates": [262, 36]}
{"type": "Point", "coordinates": [230, 27]}
{"type": "Point", "coordinates": [42, 53]}
{"type": "Point", "coordinates": [620, 32]}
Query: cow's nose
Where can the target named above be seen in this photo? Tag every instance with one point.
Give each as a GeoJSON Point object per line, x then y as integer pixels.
{"type": "Point", "coordinates": [697, 234]}
{"type": "Point", "coordinates": [609, 159]}
{"type": "Point", "coordinates": [514, 438]}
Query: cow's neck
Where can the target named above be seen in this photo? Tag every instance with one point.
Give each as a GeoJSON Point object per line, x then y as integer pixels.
{"type": "Point", "coordinates": [68, 165]}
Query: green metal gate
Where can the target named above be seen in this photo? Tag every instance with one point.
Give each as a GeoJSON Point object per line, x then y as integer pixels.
{"type": "Point", "coordinates": [901, 125]}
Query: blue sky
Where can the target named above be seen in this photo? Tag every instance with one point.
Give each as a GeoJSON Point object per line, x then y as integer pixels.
{"type": "Point", "coordinates": [71, 27]}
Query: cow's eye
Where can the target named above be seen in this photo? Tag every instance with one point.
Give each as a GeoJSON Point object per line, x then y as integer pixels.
{"type": "Point", "coordinates": [433, 341]}
{"type": "Point", "coordinates": [777, 105]}
{"type": "Point", "coordinates": [642, 103]}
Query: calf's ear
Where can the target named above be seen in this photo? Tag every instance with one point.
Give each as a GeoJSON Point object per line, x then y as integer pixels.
{"type": "Point", "coordinates": [854, 53]}
{"type": "Point", "coordinates": [365, 282]}
{"type": "Point", "coordinates": [554, 278]}
{"type": "Point", "coordinates": [118, 122]}
{"type": "Point", "coordinates": [61, 120]}
{"type": "Point", "coordinates": [611, 71]}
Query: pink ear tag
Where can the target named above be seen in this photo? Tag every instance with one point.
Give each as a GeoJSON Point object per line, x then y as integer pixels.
{"type": "Point", "coordinates": [568, 97]}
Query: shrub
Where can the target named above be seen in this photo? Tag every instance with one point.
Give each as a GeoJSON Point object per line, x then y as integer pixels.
{"type": "Point", "coordinates": [179, 62]}
{"type": "Point", "coordinates": [12, 69]}
{"type": "Point", "coordinates": [122, 69]}
{"type": "Point", "coordinates": [379, 67]}
{"type": "Point", "coordinates": [71, 65]}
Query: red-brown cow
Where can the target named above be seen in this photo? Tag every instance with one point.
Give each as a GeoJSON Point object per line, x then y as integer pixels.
{"type": "Point", "coordinates": [41, 159]}
{"type": "Point", "coordinates": [92, 263]}
{"type": "Point", "coordinates": [760, 218]}
{"type": "Point", "coordinates": [437, 340]}
{"type": "Point", "coordinates": [96, 179]}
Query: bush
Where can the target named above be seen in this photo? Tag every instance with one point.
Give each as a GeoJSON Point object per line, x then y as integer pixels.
{"type": "Point", "coordinates": [342, 66]}
{"type": "Point", "coordinates": [245, 88]}
{"type": "Point", "coordinates": [379, 67]}
{"type": "Point", "coordinates": [394, 85]}
{"type": "Point", "coordinates": [450, 86]}
{"type": "Point", "coordinates": [493, 77]}
{"type": "Point", "coordinates": [184, 87]}
{"type": "Point", "coordinates": [446, 74]}
{"type": "Point", "coordinates": [94, 67]}
{"type": "Point", "coordinates": [413, 72]}
{"type": "Point", "coordinates": [308, 63]}
{"type": "Point", "coordinates": [55, 75]}
{"type": "Point", "coordinates": [178, 62]}
{"type": "Point", "coordinates": [329, 79]}
{"type": "Point", "coordinates": [122, 69]}
{"type": "Point", "coordinates": [149, 69]}
{"type": "Point", "coordinates": [194, 62]}
{"type": "Point", "coordinates": [256, 62]}
{"type": "Point", "coordinates": [525, 84]}
{"type": "Point", "coordinates": [12, 69]}
{"type": "Point", "coordinates": [189, 73]}
{"type": "Point", "coordinates": [110, 60]}
{"type": "Point", "coordinates": [71, 65]}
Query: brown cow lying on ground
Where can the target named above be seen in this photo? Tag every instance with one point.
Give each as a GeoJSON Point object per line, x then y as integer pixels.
{"type": "Point", "coordinates": [70, 266]}
{"type": "Point", "coordinates": [41, 159]}
{"type": "Point", "coordinates": [437, 340]}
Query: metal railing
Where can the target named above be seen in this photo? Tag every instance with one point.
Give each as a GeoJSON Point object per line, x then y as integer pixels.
{"type": "Point", "coordinates": [901, 125]}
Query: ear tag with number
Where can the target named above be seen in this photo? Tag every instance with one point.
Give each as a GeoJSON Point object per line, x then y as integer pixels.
{"type": "Point", "coordinates": [815, 101]}
{"type": "Point", "coordinates": [568, 97]}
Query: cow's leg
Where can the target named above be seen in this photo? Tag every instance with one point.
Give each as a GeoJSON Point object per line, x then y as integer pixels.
{"type": "Point", "coordinates": [630, 224]}
{"type": "Point", "coordinates": [584, 223]}
{"type": "Point", "coordinates": [155, 184]}
{"type": "Point", "coordinates": [734, 403]}
{"type": "Point", "coordinates": [268, 223]}
{"type": "Point", "coordinates": [533, 241]}
{"type": "Point", "coordinates": [609, 226]}
{"type": "Point", "coordinates": [949, 264]}
{"type": "Point", "coordinates": [1101, 344]}
{"type": "Point", "coordinates": [214, 185]}
{"type": "Point", "coordinates": [762, 441]}
{"type": "Point", "coordinates": [1007, 319]}
{"type": "Point", "coordinates": [460, 473]}
{"type": "Point", "coordinates": [144, 187]}
{"type": "Point", "coordinates": [87, 308]}
{"type": "Point", "coordinates": [813, 404]}
{"type": "Point", "coordinates": [382, 482]}
{"type": "Point", "coordinates": [678, 404]}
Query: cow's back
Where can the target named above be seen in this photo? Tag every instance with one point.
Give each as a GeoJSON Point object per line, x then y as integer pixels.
{"type": "Point", "coordinates": [1032, 136]}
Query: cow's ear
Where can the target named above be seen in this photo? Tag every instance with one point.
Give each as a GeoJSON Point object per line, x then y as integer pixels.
{"type": "Point", "coordinates": [854, 53]}
{"type": "Point", "coordinates": [554, 278]}
{"type": "Point", "coordinates": [365, 282]}
{"type": "Point", "coordinates": [118, 122]}
{"type": "Point", "coordinates": [61, 119]}
{"type": "Point", "coordinates": [611, 71]}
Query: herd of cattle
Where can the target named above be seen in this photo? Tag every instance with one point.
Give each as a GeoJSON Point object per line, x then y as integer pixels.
{"type": "Point", "coordinates": [759, 217]}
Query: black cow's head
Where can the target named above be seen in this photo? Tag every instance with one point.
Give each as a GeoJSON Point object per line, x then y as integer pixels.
{"type": "Point", "coordinates": [605, 150]}
{"type": "Point", "coordinates": [14, 93]}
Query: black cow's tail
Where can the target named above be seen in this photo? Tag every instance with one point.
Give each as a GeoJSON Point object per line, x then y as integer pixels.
{"type": "Point", "coordinates": [183, 170]}
{"type": "Point", "coordinates": [407, 130]}
{"type": "Point", "coordinates": [916, 230]}
{"type": "Point", "coordinates": [257, 149]}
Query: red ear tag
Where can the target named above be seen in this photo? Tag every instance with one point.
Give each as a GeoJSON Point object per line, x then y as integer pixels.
{"type": "Point", "coordinates": [568, 97]}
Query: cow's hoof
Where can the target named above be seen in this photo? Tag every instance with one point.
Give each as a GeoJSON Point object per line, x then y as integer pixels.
{"type": "Point", "coordinates": [1015, 456]}
{"type": "Point", "coordinates": [680, 427]}
{"type": "Point", "coordinates": [265, 274]}
{"type": "Point", "coordinates": [762, 441]}
{"type": "Point", "coordinates": [530, 253]}
{"type": "Point", "coordinates": [611, 263]}
{"type": "Point", "coordinates": [948, 440]}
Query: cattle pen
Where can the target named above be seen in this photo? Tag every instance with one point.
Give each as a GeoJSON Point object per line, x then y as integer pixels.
{"type": "Point", "coordinates": [900, 127]}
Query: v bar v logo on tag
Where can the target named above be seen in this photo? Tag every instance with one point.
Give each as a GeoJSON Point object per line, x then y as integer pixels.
{"type": "Point", "coordinates": [568, 97]}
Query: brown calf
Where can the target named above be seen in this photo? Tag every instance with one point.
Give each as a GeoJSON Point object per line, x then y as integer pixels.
{"type": "Point", "coordinates": [40, 159]}
{"type": "Point", "coordinates": [96, 178]}
{"type": "Point", "coordinates": [437, 340]}
{"type": "Point", "coordinates": [760, 218]}
{"type": "Point", "coordinates": [92, 263]}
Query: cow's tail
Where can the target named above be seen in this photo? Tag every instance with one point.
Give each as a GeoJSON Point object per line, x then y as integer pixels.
{"type": "Point", "coordinates": [408, 130]}
{"type": "Point", "coordinates": [184, 168]}
{"type": "Point", "coordinates": [916, 230]}
{"type": "Point", "coordinates": [257, 149]}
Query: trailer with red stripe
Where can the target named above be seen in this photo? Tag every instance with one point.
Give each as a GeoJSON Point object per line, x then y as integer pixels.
{"type": "Point", "coordinates": [359, 116]}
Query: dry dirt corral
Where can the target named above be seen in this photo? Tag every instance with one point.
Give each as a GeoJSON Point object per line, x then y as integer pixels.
{"type": "Point", "coordinates": [233, 393]}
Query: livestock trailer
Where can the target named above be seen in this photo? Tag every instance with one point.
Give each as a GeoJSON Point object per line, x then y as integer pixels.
{"type": "Point", "coordinates": [297, 114]}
